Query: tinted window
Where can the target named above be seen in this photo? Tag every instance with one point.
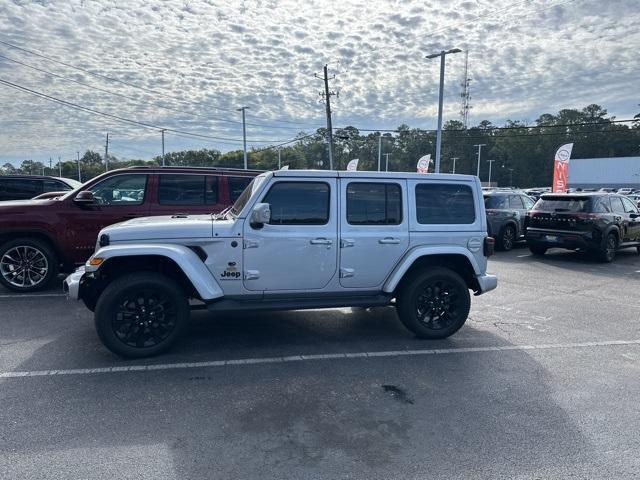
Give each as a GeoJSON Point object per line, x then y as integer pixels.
{"type": "Point", "coordinates": [19, 188]}
{"type": "Point", "coordinates": [120, 190]}
{"type": "Point", "coordinates": [374, 204]}
{"type": "Point", "coordinates": [629, 207]}
{"type": "Point", "coordinates": [237, 186]}
{"type": "Point", "coordinates": [444, 204]}
{"type": "Point", "coordinates": [515, 202]}
{"type": "Point", "coordinates": [298, 203]}
{"type": "Point", "coordinates": [528, 202]}
{"type": "Point", "coordinates": [496, 202]}
{"type": "Point", "coordinates": [187, 189]}
{"type": "Point", "coordinates": [617, 206]}
{"type": "Point", "coordinates": [55, 186]}
{"type": "Point", "coordinates": [563, 204]}
{"type": "Point", "coordinates": [602, 205]}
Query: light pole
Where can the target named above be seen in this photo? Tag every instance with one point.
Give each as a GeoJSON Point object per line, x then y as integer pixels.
{"type": "Point", "coordinates": [79, 175]}
{"type": "Point", "coordinates": [244, 135]}
{"type": "Point", "coordinates": [454, 164]}
{"type": "Point", "coordinates": [510, 176]}
{"type": "Point", "coordinates": [490, 162]}
{"type": "Point", "coordinates": [279, 160]}
{"type": "Point", "coordinates": [479, 149]}
{"type": "Point", "coordinates": [442, 55]}
{"type": "Point", "coordinates": [163, 130]}
{"type": "Point", "coordinates": [386, 165]}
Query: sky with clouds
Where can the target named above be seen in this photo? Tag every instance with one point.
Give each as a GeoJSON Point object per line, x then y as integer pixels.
{"type": "Point", "coordinates": [188, 65]}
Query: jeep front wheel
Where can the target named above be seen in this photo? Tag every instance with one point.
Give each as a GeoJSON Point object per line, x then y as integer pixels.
{"type": "Point", "coordinates": [141, 314]}
{"type": "Point", "coordinates": [27, 265]}
{"type": "Point", "coordinates": [434, 304]}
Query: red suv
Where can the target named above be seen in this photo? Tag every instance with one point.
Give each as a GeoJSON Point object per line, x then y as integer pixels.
{"type": "Point", "coordinates": [39, 238]}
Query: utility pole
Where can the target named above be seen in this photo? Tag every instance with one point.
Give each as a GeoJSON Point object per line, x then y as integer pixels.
{"type": "Point", "coordinates": [454, 164]}
{"type": "Point", "coordinates": [379, 149]}
{"type": "Point", "coordinates": [244, 135]}
{"type": "Point", "coordinates": [442, 56]}
{"type": "Point", "coordinates": [106, 153]}
{"type": "Point", "coordinates": [50, 168]}
{"type": "Point", "coordinates": [479, 148]}
{"type": "Point", "coordinates": [386, 165]}
{"type": "Point", "coordinates": [59, 167]}
{"type": "Point", "coordinates": [279, 159]}
{"type": "Point", "coordinates": [490, 162]}
{"type": "Point", "coordinates": [79, 174]}
{"type": "Point", "coordinates": [327, 101]}
{"type": "Point", "coordinates": [464, 94]}
{"type": "Point", "coordinates": [163, 130]}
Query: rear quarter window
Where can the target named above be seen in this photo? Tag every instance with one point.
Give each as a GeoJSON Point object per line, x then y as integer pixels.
{"type": "Point", "coordinates": [444, 204]}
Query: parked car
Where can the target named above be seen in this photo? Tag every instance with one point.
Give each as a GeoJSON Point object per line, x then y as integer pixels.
{"type": "Point", "coordinates": [601, 223]}
{"type": "Point", "coordinates": [625, 191]}
{"type": "Point", "coordinates": [635, 198]}
{"type": "Point", "coordinates": [506, 212]}
{"type": "Point", "coordinates": [295, 239]}
{"type": "Point", "coordinates": [22, 187]}
{"type": "Point", "coordinates": [39, 238]}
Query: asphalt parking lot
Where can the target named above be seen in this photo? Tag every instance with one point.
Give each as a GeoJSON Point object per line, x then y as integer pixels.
{"type": "Point", "coordinates": [542, 382]}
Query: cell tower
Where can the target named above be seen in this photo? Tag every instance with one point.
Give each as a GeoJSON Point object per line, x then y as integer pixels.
{"type": "Point", "coordinates": [465, 97]}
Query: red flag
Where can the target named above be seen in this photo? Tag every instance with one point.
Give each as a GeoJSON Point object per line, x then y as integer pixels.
{"type": "Point", "coordinates": [561, 168]}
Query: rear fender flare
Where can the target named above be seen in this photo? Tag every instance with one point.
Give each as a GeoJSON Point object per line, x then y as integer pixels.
{"type": "Point", "coordinates": [185, 258]}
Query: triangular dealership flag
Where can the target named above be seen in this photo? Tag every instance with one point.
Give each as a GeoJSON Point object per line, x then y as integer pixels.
{"type": "Point", "coordinates": [561, 168]}
{"type": "Point", "coordinates": [285, 167]}
{"type": "Point", "coordinates": [423, 164]}
{"type": "Point", "coordinates": [352, 166]}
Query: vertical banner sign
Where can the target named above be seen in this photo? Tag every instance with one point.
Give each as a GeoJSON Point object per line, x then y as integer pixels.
{"type": "Point", "coordinates": [561, 168]}
{"type": "Point", "coordinates": [423, 164]}
{"type": "Point", "coordinates": [352, 166]}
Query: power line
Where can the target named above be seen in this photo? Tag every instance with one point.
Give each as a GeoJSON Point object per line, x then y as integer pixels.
{"type": "Point", "coordinates": [117, 117]}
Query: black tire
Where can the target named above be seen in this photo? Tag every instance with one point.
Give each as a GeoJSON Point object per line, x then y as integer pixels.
{"type": "Point", "coordinates": [608, 251]}
{"type": "Point", "coordinates": [34, 257]}
{"type": "Point", "coordinates": [128, 311]}
{"type": "Point", "coordinates": [537, 250]}
{"type": "Point", "coordinates": [428, 320]}
{"type": "Point", "coordinates": [506, 238]}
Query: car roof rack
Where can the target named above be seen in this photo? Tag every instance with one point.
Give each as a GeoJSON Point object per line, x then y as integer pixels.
{"type": "Point", "coordinates": [232, 169]}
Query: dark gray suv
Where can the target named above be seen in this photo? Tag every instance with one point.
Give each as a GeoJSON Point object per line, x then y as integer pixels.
{"type": "Point", "coordinates": [506, 211]}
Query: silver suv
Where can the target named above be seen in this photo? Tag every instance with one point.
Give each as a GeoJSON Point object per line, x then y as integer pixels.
{"type": "Point", "coordinates": [295, 239]}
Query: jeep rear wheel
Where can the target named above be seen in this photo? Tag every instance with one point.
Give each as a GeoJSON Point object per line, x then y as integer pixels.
{"type": "Point", "coordinates": [27, 265]}
{"type": "Point", "coordinates": [141, 314]}
{"type": "Point", "coordinates": [434, 304]}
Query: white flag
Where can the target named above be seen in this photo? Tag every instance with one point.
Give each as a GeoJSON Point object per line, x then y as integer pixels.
{"type": "Point", "coordinates": [423, 164]}
{"type": "Point", "coordinates": [352, 166]}
{"type": "Point", "coordinates": [285, 167]}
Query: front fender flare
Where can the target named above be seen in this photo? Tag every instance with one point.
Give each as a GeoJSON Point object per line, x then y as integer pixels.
{"type": "Point", "coordinates": [185, 258]}
{"type": "Point", "coordinates": [411, 256]}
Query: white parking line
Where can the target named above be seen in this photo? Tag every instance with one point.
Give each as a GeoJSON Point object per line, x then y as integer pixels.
{"type": "Point", "coordinates": [300, 358]}
{"type": "Point", "coordinates": [32, 295]}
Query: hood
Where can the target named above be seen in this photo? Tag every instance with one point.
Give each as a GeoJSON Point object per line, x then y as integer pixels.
{"type": "Point", "coordinates": [18, 206]}
{"type": "Point", "coordinates": [168, 228]}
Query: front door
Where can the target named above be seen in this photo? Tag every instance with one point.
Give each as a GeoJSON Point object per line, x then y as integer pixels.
{"type": "Point", "coordinates": [634, 223]}
{"type": "Point", "coordinates": [374, 231]}
{"type": "Point", "coordinates": [297, 249]}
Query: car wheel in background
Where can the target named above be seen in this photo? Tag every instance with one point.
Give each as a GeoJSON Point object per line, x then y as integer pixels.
{"type": "Point", "coordinates": [27, 265]}
{"type": "Point", "coordinates": [141, 314]}
{"type": "Point", "coordinates": [537, 250]}
{"type": "Point", "coordinates": [434, 304]}
{"type": "Point", "coordinates": [507, 238]}
{"type": "Point", "coordinates": [608, 252]}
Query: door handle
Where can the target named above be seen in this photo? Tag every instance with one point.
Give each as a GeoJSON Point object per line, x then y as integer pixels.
{"type": "Point", "coordinates": [321, 241]}
{"type": "Point", "coordinates": [389, 240]}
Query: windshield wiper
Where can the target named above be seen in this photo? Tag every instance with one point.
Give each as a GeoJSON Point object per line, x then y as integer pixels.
{"type": "Point", "coordinates": [218, 216]}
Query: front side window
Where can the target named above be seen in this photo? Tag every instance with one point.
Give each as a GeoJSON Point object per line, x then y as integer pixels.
{"type": "Point", "coordinates": [187, 189]}
{"type": "Point", "coordinates": [298, 203]}
{"type": "Point", "coordinates": [629, 207]}
{"type": "Point", "coordinates": [616, 205]}
{"type": "Point", "coordinates": [444, 204]}
{"type": "Point", "coordinates": [374, 204]}
{"type": "Point", "coordinates": [120, 190]}
{"type": "Point", "coordinates": [515, 202]}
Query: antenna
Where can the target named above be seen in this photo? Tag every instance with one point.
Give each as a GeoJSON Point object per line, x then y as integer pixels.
{"type": "Point", "coordinates": [465, 97]}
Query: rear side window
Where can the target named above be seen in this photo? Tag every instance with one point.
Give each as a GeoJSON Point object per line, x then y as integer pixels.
{"type": "Point", "coordinates": [19, 189]}
{"type": "Point", "coordinates": [496, 202]}
{"type": "Point", "coordinates": [515, 201]}
{"type": "Point", "coordinates": [564, 204]}
{"type": "Point", "coordinates": [374, 204]}
{"type": "Point", "coordinates": [444, 204]}
{"type": "Point", "coordinates": [187, 189]}
{"type": "Point", "coordinates": [237, 186]}
{"type": "Point", "coordinates": [298, 203]}
{"type": "Point", "coordinates": [617, 206]}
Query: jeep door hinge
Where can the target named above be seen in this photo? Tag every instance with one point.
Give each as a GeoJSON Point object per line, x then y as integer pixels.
{"type": "Point", "coordinates": [347, 242]}
{"type": "Point", "coordinates": [346, 272]}
{"type": "Point", "coordinates": [250, 244]}
{"type": "Point", "coordinates": [251, 274]}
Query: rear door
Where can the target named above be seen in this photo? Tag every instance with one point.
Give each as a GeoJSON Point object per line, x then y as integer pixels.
{"type": "Point", "coordinates": [516, 204]}
{"type": "Point", "coordinates": [374, 230]}
{"type": "Point", "coordinates": [187, 193]}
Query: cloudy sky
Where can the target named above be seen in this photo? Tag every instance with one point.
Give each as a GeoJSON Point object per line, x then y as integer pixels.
{"type": "Point", "coordinates": [187, 65]}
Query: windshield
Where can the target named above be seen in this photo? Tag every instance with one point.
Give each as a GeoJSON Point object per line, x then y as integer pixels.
{"type": "Point", "coordinates": [563, 204]}
{"type": "Point", "coordinates": [246, 194]}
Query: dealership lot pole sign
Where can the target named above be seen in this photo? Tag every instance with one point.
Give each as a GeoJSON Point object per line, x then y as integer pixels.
{"type": "Point", "coordinates": [561, 168]}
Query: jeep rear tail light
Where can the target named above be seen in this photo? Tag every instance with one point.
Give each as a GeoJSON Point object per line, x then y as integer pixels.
{"type": "Point", "coordinates": [489, 246]}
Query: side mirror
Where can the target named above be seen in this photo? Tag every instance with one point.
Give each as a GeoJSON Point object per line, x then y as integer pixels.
{"type": "Point", "coordinates": [260, 215]}
{"type": "Point", "coordinates": [634, 215]}
{"type": "Point", "coordinates": [84, 197]}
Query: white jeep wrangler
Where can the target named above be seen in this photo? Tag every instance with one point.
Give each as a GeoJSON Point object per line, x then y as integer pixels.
{"type": "Point", "coordinates": [295, 239]}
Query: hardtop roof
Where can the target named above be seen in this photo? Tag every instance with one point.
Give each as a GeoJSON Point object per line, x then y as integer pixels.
{"type": "Point", "coordinates": [374, 175]}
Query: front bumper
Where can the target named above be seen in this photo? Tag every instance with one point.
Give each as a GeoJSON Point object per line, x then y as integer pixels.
{"type": "Point", "coordinates": [71, 284]}
{"type": "Point", "coordinates": [487, 283]}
